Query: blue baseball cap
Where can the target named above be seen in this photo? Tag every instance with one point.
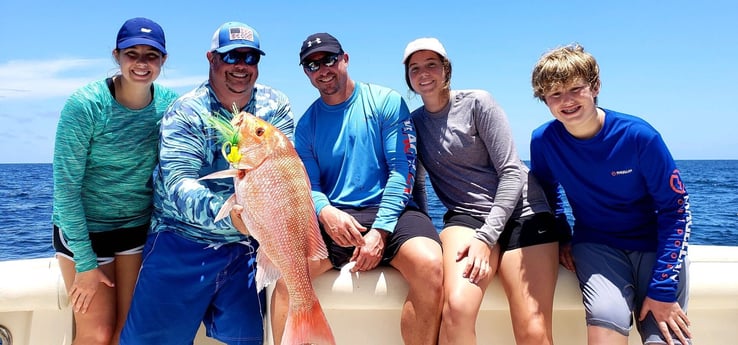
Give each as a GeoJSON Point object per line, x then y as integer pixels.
{"type": "Point", "coordinates": [141, 31]}
{"type": "Point", "coordinates": [233, 35]}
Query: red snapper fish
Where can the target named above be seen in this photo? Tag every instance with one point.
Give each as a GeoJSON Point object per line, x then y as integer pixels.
{"type": "Point", "coordinates": [272, 186]}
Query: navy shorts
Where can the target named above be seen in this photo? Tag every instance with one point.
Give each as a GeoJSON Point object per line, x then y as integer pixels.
{"type": "Point", "coordinates": [518, 233]}
{"type": "Point", "coordinates": [614, 284]}
{"type": "Point", "coordinates": [183, 283]}
{"type": "Point", "coordinates": [412, 223]}
{"type": "Point", "coordinates": [107, 244]}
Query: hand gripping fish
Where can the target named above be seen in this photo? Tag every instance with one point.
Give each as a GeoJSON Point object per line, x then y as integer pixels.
{"type": "Point", "coordinates": [272, 186]}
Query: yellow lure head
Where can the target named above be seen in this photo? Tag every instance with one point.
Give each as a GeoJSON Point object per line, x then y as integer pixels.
{"type": "Point", "coordinates": [230, 152]}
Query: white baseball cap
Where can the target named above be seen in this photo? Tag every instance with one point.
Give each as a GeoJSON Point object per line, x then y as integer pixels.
{"type": "Point", "coordinates": [424, 43]}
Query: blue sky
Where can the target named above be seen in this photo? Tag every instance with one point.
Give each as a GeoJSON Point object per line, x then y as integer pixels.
{"type": "Point", "coordinates": [673, 63]}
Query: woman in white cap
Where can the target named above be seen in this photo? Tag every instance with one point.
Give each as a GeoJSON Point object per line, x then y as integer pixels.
{"type": "Point", "coordinates": [498, 220]}
{"type": "Point", "coordinates": [104, 153]}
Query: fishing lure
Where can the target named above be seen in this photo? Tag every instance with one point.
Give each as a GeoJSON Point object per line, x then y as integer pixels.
{"type": "Point", "coordinates": [228, 135]}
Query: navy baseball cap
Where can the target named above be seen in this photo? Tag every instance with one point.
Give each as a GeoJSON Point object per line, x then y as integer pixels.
{"type": "Point", "coordinates": [139, 30]}
{"type": "Point", "coordinates": [233, 35]}
{"type": "Point", "coordinates": [320, 42]}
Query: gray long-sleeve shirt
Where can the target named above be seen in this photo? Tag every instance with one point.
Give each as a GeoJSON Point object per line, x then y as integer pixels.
{"type": "Point", "coordinates": [469, 153]}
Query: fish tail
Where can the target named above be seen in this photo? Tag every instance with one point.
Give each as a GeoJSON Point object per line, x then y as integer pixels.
{"type": "Point", "coordinates": [307, 326]}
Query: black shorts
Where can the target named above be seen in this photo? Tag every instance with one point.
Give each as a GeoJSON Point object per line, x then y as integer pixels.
{"type": "Point", "coordinates": [518, 233]}
{"type": "Point", "coordinates": [412, 223]}
{"type": "Point", "coordinates": [108, 243]}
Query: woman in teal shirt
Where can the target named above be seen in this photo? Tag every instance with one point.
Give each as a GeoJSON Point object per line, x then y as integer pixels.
{"type": "Point", "coordinates": [105, 151]}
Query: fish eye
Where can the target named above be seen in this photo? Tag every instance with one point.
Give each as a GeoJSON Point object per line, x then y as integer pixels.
{"type": "Point", "coordinates": [260, 131]}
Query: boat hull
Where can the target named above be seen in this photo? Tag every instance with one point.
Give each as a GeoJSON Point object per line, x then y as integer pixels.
{"type": "Point", "coordinates": [366, 309]}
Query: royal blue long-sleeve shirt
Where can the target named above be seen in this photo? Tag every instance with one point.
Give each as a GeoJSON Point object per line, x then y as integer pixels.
{"type": "Point", "coordinates": [624, 190]}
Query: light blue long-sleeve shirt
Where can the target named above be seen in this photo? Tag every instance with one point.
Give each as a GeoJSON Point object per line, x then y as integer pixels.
{"type": "Point", "coordinates": [360, 153]}
{"type": "Point", "coordinates": [189, 149]}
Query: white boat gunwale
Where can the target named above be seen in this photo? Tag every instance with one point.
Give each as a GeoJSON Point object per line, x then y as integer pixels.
{"type": "Point", "coordinates": [34, 306]}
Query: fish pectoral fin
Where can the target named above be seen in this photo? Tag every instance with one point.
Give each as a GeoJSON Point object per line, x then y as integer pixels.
{"type": "Point", "coordinates": [220, 174]}
{"type": "Point", "coordinates": [225, 210]}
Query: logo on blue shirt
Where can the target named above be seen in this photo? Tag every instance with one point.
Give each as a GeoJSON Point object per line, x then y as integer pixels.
{"type": "Point", "coordinates": [621, 172]}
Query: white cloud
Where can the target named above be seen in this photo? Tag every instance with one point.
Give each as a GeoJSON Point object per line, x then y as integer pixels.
{"type": "Point", "coordinates": [41, 79]}
{"type": "Point", "coordinates": [44, 79]}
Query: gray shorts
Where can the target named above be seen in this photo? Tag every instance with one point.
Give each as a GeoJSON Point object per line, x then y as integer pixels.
{"type": "Point", "coordinates": [614, 284]}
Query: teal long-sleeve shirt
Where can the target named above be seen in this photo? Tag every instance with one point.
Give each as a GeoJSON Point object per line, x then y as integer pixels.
{"type": "Point", "coordinates": [104, 154]}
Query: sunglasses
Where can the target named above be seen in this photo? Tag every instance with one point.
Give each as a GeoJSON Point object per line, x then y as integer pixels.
{"type": "Point", "coordinates": [233, 57]}
{"type": "Point", "coordinates": [327, 61]}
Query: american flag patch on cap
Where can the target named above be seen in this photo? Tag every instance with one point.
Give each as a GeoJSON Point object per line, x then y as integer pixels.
{"type": "Point", "coordinates": [241, 33]}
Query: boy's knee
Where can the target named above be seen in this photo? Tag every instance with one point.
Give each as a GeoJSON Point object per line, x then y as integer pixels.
{"type": "Point", "coordinates": [610, 315]}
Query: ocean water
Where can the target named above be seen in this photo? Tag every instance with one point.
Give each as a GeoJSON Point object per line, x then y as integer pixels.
{"type": "Point", "coordinates": [26, 202]}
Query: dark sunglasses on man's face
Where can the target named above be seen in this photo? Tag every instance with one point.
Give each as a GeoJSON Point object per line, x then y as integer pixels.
{"type": "Point", "coordinates": [327, 61]}
{"type": "Point", "coordinates": [233, 57]}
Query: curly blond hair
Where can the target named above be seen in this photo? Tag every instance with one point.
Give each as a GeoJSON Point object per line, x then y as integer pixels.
{"type": "Point", "coordinates": [561, 66]}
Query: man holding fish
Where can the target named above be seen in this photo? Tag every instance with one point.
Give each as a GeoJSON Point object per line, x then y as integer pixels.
{"type": "Point", "coordinates": [196, 269]}
{"type": "Point", "coordinates": [358, 146]}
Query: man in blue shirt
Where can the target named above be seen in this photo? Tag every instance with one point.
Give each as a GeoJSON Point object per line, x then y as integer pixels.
{"type": "Point", "coordinates": [358, 146]}
{"type": "Point", "coordinates": [195, 269]}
